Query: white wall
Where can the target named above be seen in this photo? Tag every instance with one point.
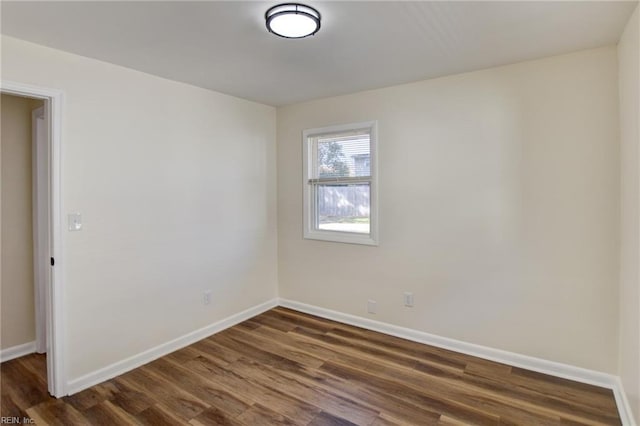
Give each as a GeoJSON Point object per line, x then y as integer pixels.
{"type": "Point", "coordinates": [629, 86]}
{"type": "Point", "coordinates": [176, 186]}
{"type": "Point", "coordinates": [499, 209]}
{"type": "Point", "coordinates": [17, 317]}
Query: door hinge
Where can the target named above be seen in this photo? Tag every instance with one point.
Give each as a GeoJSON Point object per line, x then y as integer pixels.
{"type": "Point", "coordinates": [53, 262]}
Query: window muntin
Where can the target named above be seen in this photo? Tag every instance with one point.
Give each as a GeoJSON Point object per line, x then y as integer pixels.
{"type": "Point", "coordinates": [339, 181]}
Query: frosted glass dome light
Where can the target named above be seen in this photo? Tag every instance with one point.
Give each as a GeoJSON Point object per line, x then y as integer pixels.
{"type": "Point", "coordinates": [292, 20]}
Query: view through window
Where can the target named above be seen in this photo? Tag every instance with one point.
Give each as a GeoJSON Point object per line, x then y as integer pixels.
{"type": "Point", "coordinates": [344, 206]}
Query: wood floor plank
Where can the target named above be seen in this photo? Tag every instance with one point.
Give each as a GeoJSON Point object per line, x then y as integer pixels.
{"type": "Point", "coordinates": [299, 381]}
{"type": "Point", "coordinates": [214, 350]}
{"type": "Point", "coordinates": [326, 419]}
{"type": "Point", "coordinates": [381, 421]}
{"type": "Point", "coordinates": [214, 417]}
{"type": "Point", "coordinates": [33, 364]}
{"type": "Point", "coordinates": [25, 387]}
{"type": "Point", "coordinates": [346, 389]}
{"type": "Point", "coordinates": [258, 392]}
{"type": "Point", "coordinates": [456, 390]}
{"type": "Point", "coordinates": [286, 316]}
{"type": "Point", "coordinates": [185, 354]}
{"type": "Point", "coordinates": [249, 324]}
{"type": "Point", "coordinates": [106, 413]}
{"type": "Point", "coordinates": [95, 395]}
{"type": "Point", "coordinates": [200, 387]}
{"type": "Point", "coordinates": [128, 398]}
{"type": "Point", "coordinates": [276, 323]}
{"type": "Point", "coordinates": [292, 340]}
{"type": "Point", "coordinates": [560, 405]}
{"type": "Point", "coordinates": [56, 413]}
{"type": "Point", "coordinates": [261, 415]}
{"type": "Point", "coordinates": [158, 415]}
{"type": "Point", "coordinates": [438, 360]}
{"type": "Point", "coordinates": [274, 347]}
{"type": "Point", "coordinates": [382, 373]}
{"type": "Point", "coordinates": [337, 404]}
{"type": "Point", "coordinates": [427, 397]}
{"type": "Point", "coordinates": [177, 400]}
{"type": "Point", "coordinates": [9, 408]}
{"type": "Point", "coordinates": [385, 340]}
{"type": "Point", "coordinates": [290, 368]}
{"type": "Point", "coordinates": [563, 388]}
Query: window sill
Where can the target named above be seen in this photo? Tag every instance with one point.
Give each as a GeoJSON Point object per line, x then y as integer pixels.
{"type": "Point", "coordinates": [341, 237]}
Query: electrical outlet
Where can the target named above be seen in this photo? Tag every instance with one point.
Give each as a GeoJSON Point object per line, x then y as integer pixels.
{"type": "Point", "coordinates": [206, 297]}
{"type": "Point", "coordinates": [408, 299]}
{"type": "Point", "coordinates": [371, 306]}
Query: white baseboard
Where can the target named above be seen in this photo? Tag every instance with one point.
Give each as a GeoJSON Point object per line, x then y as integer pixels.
{"type": "Point", "coordinates": [544, 366]}
{"type": "Point", "coordinates": [17, 351]}
{"type": "Point", "coordinates": [624, 408]}
{"type": "Point", "coordinates": [149, 355]}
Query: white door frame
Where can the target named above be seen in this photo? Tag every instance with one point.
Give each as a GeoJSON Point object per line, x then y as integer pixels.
{"type": "Point", "coordinates": [56, 368]}
{"type": "Point", "coordinates": [41, 234]}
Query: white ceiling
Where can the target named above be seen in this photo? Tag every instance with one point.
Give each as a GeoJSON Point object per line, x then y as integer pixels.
{"type": "Point", "coordinates": [224, 46]}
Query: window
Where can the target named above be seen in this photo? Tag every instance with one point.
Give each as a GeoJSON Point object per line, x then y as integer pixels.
{"type": "Point", "coordinates": [340, 191]}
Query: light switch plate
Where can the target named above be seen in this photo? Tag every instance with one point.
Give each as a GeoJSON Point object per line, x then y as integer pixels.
{"type": "Point", "coordinates": [75, 221]}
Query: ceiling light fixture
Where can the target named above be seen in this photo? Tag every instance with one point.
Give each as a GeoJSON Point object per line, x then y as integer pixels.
{"type": "Point", "coordinates": [292, 20]}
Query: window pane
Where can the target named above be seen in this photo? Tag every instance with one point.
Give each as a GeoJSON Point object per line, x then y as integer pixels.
{"type": "Point", "coordinates": [344, 208]}
{"type": "Point", "coordinates": [344, 155]}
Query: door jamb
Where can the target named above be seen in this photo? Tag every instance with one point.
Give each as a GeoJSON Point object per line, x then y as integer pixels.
{"type": "Point", "coordinates": [41, 235]}
{"type": "Point", "coordinates": [56, 366]}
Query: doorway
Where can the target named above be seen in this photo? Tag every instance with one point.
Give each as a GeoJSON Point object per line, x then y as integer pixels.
{"type": "Point", "coordinates": [44, 216]}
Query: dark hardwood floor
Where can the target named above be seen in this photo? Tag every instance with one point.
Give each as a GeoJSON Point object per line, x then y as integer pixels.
{"type": "Point", "coordinates": [284, 367]}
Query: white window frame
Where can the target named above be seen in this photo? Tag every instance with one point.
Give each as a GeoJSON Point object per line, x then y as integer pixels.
{"type": "Point", "coordinates": [311, 231]}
